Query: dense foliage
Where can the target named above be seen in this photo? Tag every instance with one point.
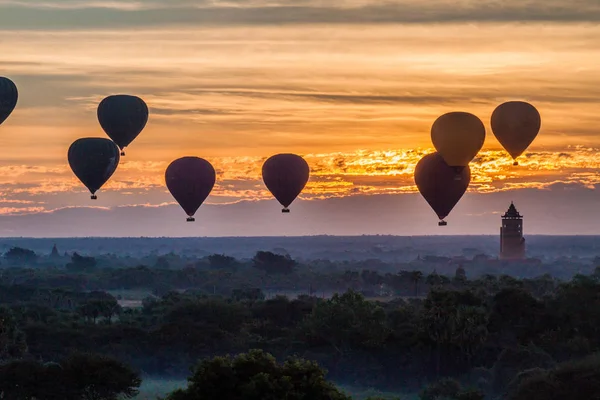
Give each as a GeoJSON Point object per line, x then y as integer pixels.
{"type": "Point", "coordinates": [446, 336]}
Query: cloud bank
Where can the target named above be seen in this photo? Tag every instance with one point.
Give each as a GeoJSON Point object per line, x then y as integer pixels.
{"type": "Point", "coordinates": [83, 14]}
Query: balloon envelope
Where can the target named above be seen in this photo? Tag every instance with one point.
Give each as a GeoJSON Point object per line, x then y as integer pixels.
{"type": "Point", "coordinates": [122, 117]}
{"type": "Point", "coordinates": [190, 180]}
{"type": "Point", "coordinates": [93, 161]}
{"type": "Point", "coordinates": [516, 124]}
{"type": "Point", "coordinates": [458, 137]}
{"type": "Point", "coordinates": [435, 180]}
{"type": "Point", "coordinates": [8, 98]}
{"type": "Point", "coordinates": [285, 175]}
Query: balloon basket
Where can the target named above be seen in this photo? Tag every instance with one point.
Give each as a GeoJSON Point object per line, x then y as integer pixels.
{"type": "Point", "coordinates": [190, 219]}
{"type": "Point", "coordinates": [515, 163]}
{"type": "Point", "coordinates": [442, 223]}
{"type": "Point", "coordinates": [122, 153]}
{"type": "Point", "coordinates": [94, 197]}
{"type": "Point", "coordinates": [285, 211]}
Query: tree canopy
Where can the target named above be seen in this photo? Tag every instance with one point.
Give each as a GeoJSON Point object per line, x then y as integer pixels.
{"type": "Point", "coordinates": [256, 375]}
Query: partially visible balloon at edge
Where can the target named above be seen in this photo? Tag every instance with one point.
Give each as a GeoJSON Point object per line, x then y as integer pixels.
{"type": "Point", "coordinates": [9, 96]}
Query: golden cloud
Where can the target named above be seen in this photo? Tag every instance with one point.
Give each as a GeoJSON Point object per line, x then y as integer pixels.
{"type": "Point", "coordinates": [338, 174]}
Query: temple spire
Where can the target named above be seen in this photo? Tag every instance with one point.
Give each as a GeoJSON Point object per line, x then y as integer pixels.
{"type": "Point", "coordinates": [512, 212]}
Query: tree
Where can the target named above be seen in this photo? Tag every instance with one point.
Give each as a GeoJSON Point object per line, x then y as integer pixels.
{"type": "Point", "coordinates": [257, 376]}
{"type": "Point", "coordinates": [516, 315]}
{"type": "Point", "coordinates": [449, 389]}
{"type": "Point", "coordinates": [570, 380]}
{"type": "Point", "coordinates": [78, 377]}
{"type": "Point", "coordinates": [23, 380]}
{"type": "Point", "coordinates": [512, 361]}
{"type": "Point", "coordinates": [248, 294]}
{"type": "Point", "coordinates": [19, 255]}
{"type": "Point", "coordinates": [162, 263]}
{"type": "Point", "coordinates": [454, 320]}
{"type": "Point", "coordinates": [348, 321]}
{"type": "Point", "coordinates": [97, 377]}
{"type": "Point", "coordinates": [460, 276]}
{"type": "Point", "coordinates": [416, 277]}
{"type": "Point", "coordinates": [12, 339]}
{"type": "Point", "coordinates": [81, 263]}
{"type": "Point", "coordinates": [221, 261]}
{"type": "Point", "coordinates": [273, 263]}
{"type": "Point", "coordinates": [159, 289]}
{"type": "Point", "coordinates": [99, 306]}
{"type": "Point", "coordinates": [433, 279]}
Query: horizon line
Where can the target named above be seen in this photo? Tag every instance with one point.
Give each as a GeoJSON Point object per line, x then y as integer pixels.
{"type": "Point", "coordinates": [278, 236]}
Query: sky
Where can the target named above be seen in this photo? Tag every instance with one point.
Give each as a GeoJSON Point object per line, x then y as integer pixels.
{"type": "Point", "coordinates": [352, 85]}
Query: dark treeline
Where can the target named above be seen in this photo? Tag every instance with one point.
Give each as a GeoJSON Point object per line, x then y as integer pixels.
{"type": "Point", "coordinates": [272, 272]}
{"type": "Point", "coordinates": [405, 331]}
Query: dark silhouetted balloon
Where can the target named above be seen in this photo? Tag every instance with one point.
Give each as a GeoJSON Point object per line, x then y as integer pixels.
{"type": "Point", "coordinates": [435, 180]}
{"type": "Point", "coordinates": [190, 180]}
{"type": "Point", "coordinates": [93, 161]}
{"type": "Point", "coordinates": [122, 117]}
{"type": "Point", "coordinates": [8, 98]}
{"type": "Point", "coordinates": [458, 137]}
{"type": "Point", "coordinates": [285, 175]}
{"type": "Point", "coordinates": [516, 124]}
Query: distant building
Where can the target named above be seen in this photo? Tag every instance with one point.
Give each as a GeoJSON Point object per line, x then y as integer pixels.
{"type": "Point", "coordinates": [512, 242]}
{"type": "Point", "coordinates": [54, 253]}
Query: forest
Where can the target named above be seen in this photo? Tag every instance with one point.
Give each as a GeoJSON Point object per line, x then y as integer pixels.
{"type": "Point", "coordinates": [72, 330]}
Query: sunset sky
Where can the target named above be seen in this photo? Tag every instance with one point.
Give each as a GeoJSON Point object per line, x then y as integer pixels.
{"type": "Point", "coordinates": [352, 85]}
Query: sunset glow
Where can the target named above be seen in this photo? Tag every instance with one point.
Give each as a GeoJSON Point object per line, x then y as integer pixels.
{"type": "Point", "coordinates": [355, 97]}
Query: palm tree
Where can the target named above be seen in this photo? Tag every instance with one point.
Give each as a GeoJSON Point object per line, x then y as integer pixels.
{"type": "Point", "coordinates": [416, 277]}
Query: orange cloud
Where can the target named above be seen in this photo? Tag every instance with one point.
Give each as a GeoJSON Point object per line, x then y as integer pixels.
{"type": "Point", "coordinates": [340, 174]}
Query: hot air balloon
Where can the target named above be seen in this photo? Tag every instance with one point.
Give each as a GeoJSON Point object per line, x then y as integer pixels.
{"type": "Point", "coordinates": [8, 98]}
{"type": "Point", "coordinates": [190, 180]}
{"type": "Point", "coordinates": [458, 137]}
{"type": "Point", "coordinates": [516, 124]}
{"type": "Point", "coordinates": [285, 175]}
{"type": "Point", "coordinates": [93, 161]}
{"type": "Point", "coordinates": [435, 180]}
{"type": "Point", "coordinates": [122, 117]}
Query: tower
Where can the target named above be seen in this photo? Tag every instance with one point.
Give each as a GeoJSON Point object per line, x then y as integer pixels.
{"type": "Point", "coordinates": [512, 242]}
